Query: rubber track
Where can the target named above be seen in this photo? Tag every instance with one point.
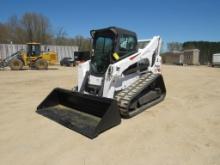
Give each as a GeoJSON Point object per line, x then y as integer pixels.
{"type": "Point", "coordinates": [125, 96]}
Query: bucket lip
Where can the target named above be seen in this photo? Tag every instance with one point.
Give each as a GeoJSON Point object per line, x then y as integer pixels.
{"type": "Point", "coordinates": [91, 134]}
{"type": "Point", "coordinates": [84, 95]}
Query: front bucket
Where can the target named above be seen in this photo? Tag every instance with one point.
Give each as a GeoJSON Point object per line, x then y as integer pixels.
{"type": "Point", "coordinates": [86, 114]}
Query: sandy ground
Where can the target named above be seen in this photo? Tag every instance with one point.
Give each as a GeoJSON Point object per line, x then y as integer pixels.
{"type": "Point", "coordinates": [184, 129]}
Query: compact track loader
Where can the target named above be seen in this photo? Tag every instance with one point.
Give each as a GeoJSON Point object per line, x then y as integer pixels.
{"type": "Point", "coordinates": [122, 79]}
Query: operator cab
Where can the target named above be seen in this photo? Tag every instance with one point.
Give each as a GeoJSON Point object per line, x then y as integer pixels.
{"type": "Point", "coordinates": [33, 49]}
{"type": "Point", "coordinates": [109, 46]}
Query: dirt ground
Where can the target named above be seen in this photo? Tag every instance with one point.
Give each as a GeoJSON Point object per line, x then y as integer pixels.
{"type": "Point", "coordinates": [183, 129]}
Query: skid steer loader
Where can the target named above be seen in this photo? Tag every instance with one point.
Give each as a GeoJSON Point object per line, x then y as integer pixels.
{"type": "Point", "coordinates": [120, 80]}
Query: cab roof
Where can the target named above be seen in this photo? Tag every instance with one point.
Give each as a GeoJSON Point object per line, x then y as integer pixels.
{"type": "Point", "coordinates": [115, 30]}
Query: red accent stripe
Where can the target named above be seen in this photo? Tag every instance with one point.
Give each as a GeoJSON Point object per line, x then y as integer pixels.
{"type": "Point", "coordinates": [133, 57]}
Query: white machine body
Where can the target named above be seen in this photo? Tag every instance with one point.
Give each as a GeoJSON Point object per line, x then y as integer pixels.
{"type": "Point", "coordinates": [114, 79]}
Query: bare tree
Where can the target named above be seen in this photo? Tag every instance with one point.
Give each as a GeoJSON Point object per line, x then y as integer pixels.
{"type": "Point", "coordinates": [34, 27]}
{"type": "Point", "coordinates": [37, 27]}
{"type": "Point", "coordinates": [4, 34]}
{"type": "Point", "coordinates": [61, 38]}
{"type": "Point", "coordinates": [84, 44]}
{"type": "Point", "coordinates": [17, 33]}
{"type": "Point", "coordinates": [174, 46]}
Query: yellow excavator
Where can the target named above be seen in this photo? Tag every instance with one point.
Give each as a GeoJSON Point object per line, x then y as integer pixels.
{"type": "Point", "coordinates": [32, 57]}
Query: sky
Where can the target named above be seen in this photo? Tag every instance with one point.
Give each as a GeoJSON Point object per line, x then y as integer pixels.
{"type": "Point", "coordinates": [173, 20]}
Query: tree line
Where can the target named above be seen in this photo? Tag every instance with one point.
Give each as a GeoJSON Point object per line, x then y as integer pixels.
{"type": "Point", "coordinates": [35, 27]}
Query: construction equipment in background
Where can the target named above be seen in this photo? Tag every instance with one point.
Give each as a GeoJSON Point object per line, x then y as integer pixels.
{"type": "Point", "coordinates": [68, 61]}
{"type": "Point", "coordinates": [120, 80]}
{"type": "Point", "coordinates": [82, 56]}
{"type": "Point", "coordinates": [79, 57]}
{"type": "Point", "coordinates": [33, 57]}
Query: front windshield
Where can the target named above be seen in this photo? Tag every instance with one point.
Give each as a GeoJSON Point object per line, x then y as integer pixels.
{"type": "Point", "coordinates": [33, 50]}
{"type": "Point", "coordinates": [102, 53]}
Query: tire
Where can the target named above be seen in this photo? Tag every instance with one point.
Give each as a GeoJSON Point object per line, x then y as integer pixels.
{"type": "Point", "coordinates": [41, 64]}
{"type": "Point", "coordinates": [70, 64]}
{"type": "Point", "coordinates": [16, 64]}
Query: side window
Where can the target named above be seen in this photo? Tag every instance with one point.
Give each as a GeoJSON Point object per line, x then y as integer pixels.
{"type": "Point", "coordinates": [127, 44]}
{"type": "Point", "coordinates": [35, 50]}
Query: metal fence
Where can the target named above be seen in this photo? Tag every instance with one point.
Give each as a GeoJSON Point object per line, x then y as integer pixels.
{"type": "Point", "coordinates": [62, 51]}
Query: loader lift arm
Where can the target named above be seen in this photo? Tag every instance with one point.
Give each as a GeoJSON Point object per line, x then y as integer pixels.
{"type": "Point", "coordinates": [5, 62]}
